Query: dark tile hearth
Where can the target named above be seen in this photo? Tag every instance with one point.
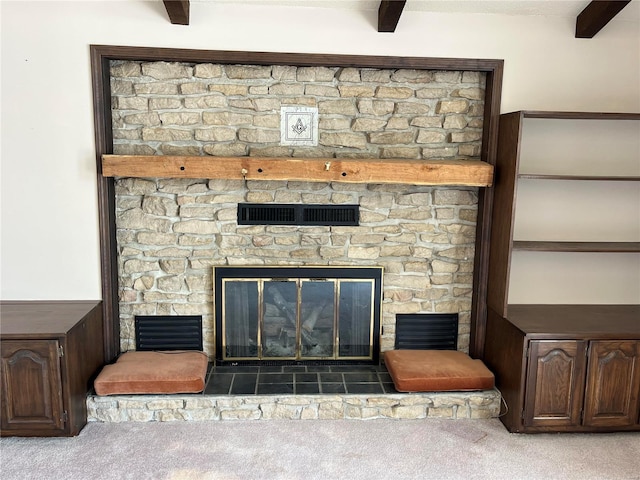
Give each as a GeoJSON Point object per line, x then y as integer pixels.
{"type": "Point", "coordinates": [269, 392]}
{"type": "Point", "coordinates": [298, 380]}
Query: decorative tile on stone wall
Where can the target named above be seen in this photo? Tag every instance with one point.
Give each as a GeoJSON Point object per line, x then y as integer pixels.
{"type": "Point", "coordinates": [299, 126]}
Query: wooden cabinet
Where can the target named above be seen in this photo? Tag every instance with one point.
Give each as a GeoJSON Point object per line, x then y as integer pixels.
{"type": "Point", "coordinates": [573, 383]}
{"type": "Point", "coordinates": [31, 385]}
{"type": "Point", "coordinates": [613, 383]}
{"type": "Point", "coordinates": [555, 383]}
{"type": "Point", "coordinates": [567, 367]}
{"type": "Point", "coordinates": [50, 353]}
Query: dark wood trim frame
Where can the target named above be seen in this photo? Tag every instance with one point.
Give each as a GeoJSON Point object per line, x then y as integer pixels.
{"type": "Point", "coordinates": [101, 55]}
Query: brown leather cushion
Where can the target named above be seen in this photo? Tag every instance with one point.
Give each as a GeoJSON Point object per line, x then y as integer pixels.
{"type": "Point", "coordinates": [154, 372]}
{"type": "Point", "coordinates": [436, 371]}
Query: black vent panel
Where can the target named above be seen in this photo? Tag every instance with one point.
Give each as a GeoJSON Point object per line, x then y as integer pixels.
{"type": "Point", "coordinates": [330, 215]}
{"type": "Point", "coordinates": [293, 214]}
{"type": "Point", "coordinates": [266, 214]}
{"type": "Point", "coordinates": [169, 332]}
{"type": "Point", "coordinates": [427, 331]}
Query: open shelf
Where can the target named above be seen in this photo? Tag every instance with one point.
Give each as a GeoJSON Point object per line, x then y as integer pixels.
{"type": "Point", "coordinates": [546, 246]}
{"type": "Point", "coordinates": [617, 321]}
{"type": "Point", "coordinates": [579, 115]}
{"type": "Point", "coordinates": [608, 178]}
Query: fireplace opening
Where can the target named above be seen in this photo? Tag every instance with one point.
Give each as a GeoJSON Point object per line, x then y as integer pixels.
{"type": "Point", "coordinates": [297, 314]}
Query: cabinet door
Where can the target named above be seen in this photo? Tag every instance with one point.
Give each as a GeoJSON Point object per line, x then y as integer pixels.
{"type": "Point", "coordinates": [613, 383]}
{"type": "Point", "coordinates": [555, 383]}
{"type": "Point", "coordinates": [31, 386]}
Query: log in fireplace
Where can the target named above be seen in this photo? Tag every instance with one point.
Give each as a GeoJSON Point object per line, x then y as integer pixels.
{"type": "Point", "coordinates": [297, 314]}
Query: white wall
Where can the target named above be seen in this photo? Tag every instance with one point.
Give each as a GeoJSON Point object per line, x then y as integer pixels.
{"type": "Point", "coordinates": [47, 151]}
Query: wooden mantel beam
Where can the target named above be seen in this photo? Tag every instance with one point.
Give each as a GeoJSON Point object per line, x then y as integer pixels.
{"type": "Point", "coordinates": [393, 171]}
{"type": "Point", "coordinates": [389, 14]}
{"type": "Point", "coordinates": [596, 15]}
{"type": "Point", "coordinates": [178, 11]}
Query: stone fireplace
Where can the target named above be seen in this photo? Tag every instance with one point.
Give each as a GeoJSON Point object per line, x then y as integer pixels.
{"type": "Point", "coordinates": [172, 233]}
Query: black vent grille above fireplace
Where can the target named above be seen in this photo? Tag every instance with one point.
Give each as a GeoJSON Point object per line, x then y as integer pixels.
{"type": "Point", "coordinates": [294, 214]}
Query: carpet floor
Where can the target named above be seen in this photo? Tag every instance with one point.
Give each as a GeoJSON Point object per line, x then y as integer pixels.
{"type": "Point", "coordinates": [320, 449]}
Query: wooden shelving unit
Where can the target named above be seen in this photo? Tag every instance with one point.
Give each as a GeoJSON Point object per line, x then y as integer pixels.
{"type": "Point", "coordinates": [508, 173]}
{"type": "Point", "coordinates": [597, 346]}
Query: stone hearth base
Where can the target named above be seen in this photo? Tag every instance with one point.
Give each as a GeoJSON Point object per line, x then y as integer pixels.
{"type": "Point", "coordinates": [164, 408]}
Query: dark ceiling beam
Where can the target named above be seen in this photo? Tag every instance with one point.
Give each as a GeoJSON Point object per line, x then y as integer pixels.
{"type": "Point", "coordinates": [178, 11]}
{"type": "Point", "coordinates": [389, 14]}
{"type": "Point", "coordinates": [596, 15]}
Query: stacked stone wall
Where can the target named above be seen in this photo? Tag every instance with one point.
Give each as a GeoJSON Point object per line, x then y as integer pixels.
{"type": "Point", "coordinates": [234, 110]}
{"type": "Point", "coordinates": [151, 408]}
{"type": "Point", "coordinates": [171, 232]}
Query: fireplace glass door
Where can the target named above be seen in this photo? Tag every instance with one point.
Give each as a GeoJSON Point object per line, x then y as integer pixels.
{"type": "Point", "coordinates": [297, 319]}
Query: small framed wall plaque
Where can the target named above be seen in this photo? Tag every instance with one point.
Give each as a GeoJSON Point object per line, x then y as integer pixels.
{"type": "Point", "coordinates": [299, 126]}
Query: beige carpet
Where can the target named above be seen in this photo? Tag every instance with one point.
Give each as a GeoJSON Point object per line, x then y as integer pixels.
{"type": "Point", "coordinates": [320, 449]}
